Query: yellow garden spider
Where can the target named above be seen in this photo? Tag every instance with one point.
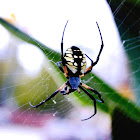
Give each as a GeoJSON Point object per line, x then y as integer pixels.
{"type": "Point", "coordinates": [74, 64]}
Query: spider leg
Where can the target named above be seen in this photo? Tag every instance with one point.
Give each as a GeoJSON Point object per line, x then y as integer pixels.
{"type": "Point", "coordinates": [93, 90]}
{"type": "Point", "coordinates": [94, 101]}
{"type": "Point", "coordinates": [48, 97]}
{"type": "Point", "coordinates": [62, 57]}
{"type": "Point", "coordinates": [102, 45]}
{"type": "Point", "coordinates": [89, 69]}
{"type": "Point", "coordinates": [65, 72]}
{"type": "Point", "coordinates": [58, 64]}
{"type": "Point", "coordinates": [78, 90]}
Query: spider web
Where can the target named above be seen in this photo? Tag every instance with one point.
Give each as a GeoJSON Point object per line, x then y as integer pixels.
{"type": "Point", "coordinates": [26, 75]}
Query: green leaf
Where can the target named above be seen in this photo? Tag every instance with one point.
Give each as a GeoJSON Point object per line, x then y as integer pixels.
{"type": "Point", "coordinates": [111, 97]}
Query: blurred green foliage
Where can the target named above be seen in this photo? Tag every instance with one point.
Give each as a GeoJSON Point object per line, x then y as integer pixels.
{"type": "Point", "coordinates": [128, 16]}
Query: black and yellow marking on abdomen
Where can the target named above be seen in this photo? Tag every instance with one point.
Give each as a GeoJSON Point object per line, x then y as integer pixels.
{"type": "Point", "coordinates": [75, 59]}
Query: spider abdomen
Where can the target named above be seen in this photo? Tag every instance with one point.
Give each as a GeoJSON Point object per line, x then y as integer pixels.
{"type": "Point", "coordinates": [75, 60]}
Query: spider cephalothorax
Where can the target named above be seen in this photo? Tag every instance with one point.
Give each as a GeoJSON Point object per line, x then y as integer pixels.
{"type": "Point", "coordinates": [74, 67]}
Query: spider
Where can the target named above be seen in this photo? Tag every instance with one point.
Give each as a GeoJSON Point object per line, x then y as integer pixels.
{"type": "Point", "coordinates": [74, 67]}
